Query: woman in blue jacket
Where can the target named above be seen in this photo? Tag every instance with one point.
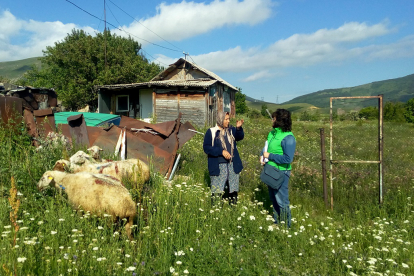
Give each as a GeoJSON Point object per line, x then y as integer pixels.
{"type": "Point", "coordinates": [224, 163]}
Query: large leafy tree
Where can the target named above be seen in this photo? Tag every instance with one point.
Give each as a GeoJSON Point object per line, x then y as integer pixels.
{"type": "Point", "coordinates": [75, 65]}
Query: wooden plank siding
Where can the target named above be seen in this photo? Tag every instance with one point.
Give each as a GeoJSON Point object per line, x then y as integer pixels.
{"type": "Point", "coordinates": [166, 107]}
{"type": "Point", "coordinates": [192, 107]}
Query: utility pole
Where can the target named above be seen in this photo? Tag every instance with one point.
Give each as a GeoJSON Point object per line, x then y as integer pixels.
{"type": "Point", "coordinates": [106, 63]}
{"type": "Point", "coordinates": [277, 99]}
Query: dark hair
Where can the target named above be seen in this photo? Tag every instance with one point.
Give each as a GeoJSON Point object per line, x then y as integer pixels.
{"type": "Point", "coordinates": [283, 120]}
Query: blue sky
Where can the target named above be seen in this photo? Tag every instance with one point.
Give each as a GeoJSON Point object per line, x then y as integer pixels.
{"type": "Point", "coordinates": [273, 50]}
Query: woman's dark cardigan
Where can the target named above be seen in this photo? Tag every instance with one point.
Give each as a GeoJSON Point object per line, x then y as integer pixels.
{"type": "Point", "coordinates": [215, 151]}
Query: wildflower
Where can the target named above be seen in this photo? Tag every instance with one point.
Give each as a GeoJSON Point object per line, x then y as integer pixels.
{"type": "Point", "coordinates": [119, 263]}
{"type": "Point", "coordinates": [21, 259]}
{"type": "Point", "coordinates": [7, 226]}
{"type": "Point", "coordinates": [75, 241]}
{"type": "Point", "coordinates": [179, 253]}
{"type": "Point", "coordinates": [201, 210]}
{"type": "Point", "coordinates": [101, 259]}
{"type": "Point", "coordinates": [53, 232]}
{"type": "Point", "coordinates": [191, 249]}
{"type": "Point", "coordinates": [127, 255]}
{"type": "Point", "coordinates": [270, 228]}
{"type": "Point", "coordinates": [131, 268]}
{"type": "Point", "coordinates": [178, 262]}
{"type": "Point", "coordinates": [344, 261]}
{"type": "Point", "coordinates": [197, 231]}
{"type": "Point", "coordinates": [252, 218]}
{"type": "Point", "coordinates": [186, 271]}
{"type": "Point", "coordinates": [172, 269]}
{"type": "Point", "coordinates": [404, 265]}
{"type": "Point", "coordinates": [100, 228]}
{"type": "Point", "coordinates": [74, 230]}
{"type": "Point", "coordinates": [61, 219]}
{"type": "Point", "coordinates": [95, 248]}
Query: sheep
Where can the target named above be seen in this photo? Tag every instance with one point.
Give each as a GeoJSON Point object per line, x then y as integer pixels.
{"type": "Point", "coordinates": [81, 157]}
{"type": "Point", "coordinates": [96, 193]}
{"type": "Point", "coordinates": [134, 168]}
{"type": "Point", "coordinates": [95, 153]}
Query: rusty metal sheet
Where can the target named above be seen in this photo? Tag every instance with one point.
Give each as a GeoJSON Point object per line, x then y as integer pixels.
{"type": "Point", "coordinates": [136, 148]}
{"type": "Point", "coordinates": [45, 121]}
{"type": "Point", "coordinates": [9, 106]}
{"type": "Point", "coordinates": [30, 123]}
{"type": "Point", "coordinates": [165, 128]}
{"type": "Point", "coordinates": [29, 100]}
{"type": "Point", "coordinates": [64, 129]}
{"type": "Point", "coordinates": [174, 151]}
{"type": "Point", "coordinates": [184, 134]}
{"type": "Point", "coordinates": [78, 129]}
{"type": "Point", "coordinates": [94, 133]}
{"type": "Point", "coordinates": [52, 98]}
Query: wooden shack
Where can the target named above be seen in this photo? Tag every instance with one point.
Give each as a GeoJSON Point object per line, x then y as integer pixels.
{"type": "Point", "coordinates": [183, 87]}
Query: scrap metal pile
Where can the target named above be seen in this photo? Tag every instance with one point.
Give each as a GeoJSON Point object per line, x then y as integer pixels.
{"type": "Point", "coordinates": [154, 144]}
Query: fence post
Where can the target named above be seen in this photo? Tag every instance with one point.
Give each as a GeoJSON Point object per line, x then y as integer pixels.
{"type": "Point", "coordinates": [323, 160]}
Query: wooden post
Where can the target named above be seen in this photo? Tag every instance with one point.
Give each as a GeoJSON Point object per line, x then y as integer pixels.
{"type": "Point", "coordinates": [323, 160]}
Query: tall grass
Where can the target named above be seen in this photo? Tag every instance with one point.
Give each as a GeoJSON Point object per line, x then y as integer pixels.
{"type": "Point", "coordinates": [180, 231]}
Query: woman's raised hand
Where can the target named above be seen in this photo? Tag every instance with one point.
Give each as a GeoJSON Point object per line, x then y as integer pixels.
{"type": "Point", "coordinates": [239, 123]}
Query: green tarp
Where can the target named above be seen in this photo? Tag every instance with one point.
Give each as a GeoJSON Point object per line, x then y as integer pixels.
{"type": "Point", "coordinates": [91, 119]}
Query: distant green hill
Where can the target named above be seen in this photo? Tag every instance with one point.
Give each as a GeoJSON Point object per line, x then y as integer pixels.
{"type": "Point", "coordinates": [399, 89]}
{"type": "Point", "coordinates": [295, 107]}
{"type": "Point", "coordinates": [15, 69]}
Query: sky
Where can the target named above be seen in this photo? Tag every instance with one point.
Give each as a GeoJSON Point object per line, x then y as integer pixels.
{"type": "Point", "coordinates": [273, 50]}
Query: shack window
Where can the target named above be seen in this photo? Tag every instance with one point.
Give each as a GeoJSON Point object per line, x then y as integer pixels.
{"type": "Point", "coordinates": [226, 102]}
{"type": "Point", "coordinates": [122, 103]}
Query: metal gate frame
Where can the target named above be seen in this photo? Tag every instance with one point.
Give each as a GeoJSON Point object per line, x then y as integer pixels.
{"type": "Point", "coordinates": [380, 144]}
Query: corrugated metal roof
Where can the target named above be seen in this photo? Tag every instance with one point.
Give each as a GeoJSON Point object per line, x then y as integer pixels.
{"type": "Point", "coordinates": [208, 73]}
{"type": "Point", "coordinates": [190, 83]}
{"type": "Point", "coordinates": [200, 82]}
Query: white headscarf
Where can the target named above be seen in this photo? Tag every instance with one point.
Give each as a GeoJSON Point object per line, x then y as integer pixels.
{"type": "Point", "coordinates": [225, 132]}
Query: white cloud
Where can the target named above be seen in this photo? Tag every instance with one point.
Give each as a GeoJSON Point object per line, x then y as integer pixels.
{"type": "Point", "coordinates": [322, 46]}
{"type": "Point", "coordinates": [37, 35]}
{"type": "Point", "coordinates": [265, 74]}
{"type": "Point", "coordinates": [178, 21]}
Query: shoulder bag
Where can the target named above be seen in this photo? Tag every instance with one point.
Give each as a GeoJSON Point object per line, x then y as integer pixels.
{"type": "Point", "coordinates": [272, 176]}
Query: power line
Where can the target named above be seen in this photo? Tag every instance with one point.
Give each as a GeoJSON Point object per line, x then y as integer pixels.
{"type": "Point", "coordinates": [145, 26]}
{"type": "Point", "coordinates": [126, 32]}
{"type": "Point", "coordinates": [121, 29]}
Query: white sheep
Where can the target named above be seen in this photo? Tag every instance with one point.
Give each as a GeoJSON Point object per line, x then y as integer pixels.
{"type": "Point", "coordinates": [95, 153]}
{"type": "Point", "coordinates": [97, 193]}
{"type": "Point", "coordinates": [133, 168]}
{"type": "Point", "coordinates": [80, 158]}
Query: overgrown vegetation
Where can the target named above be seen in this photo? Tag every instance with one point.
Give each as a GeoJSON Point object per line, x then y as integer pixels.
{"type": "Point", "coordinates": [179, 232]}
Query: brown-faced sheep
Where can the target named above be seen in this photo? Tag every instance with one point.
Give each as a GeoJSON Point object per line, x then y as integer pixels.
{"type": "Point", "coordinates": [96, 193]}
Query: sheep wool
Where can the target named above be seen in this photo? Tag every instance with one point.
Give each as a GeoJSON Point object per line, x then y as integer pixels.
{"type": "Point", "coordinates": [97, 193]}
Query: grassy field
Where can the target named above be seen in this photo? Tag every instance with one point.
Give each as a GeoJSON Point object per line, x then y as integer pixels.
{"type": "Point", "coordinates": [179, 232]}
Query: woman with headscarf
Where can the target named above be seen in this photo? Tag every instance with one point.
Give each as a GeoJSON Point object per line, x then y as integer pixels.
{"type": "Point", "coordinates": [224, 163]}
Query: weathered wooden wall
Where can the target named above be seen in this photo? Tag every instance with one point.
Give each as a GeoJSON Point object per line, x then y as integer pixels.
{"type": "Point", "coordinates": [192, 106]}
